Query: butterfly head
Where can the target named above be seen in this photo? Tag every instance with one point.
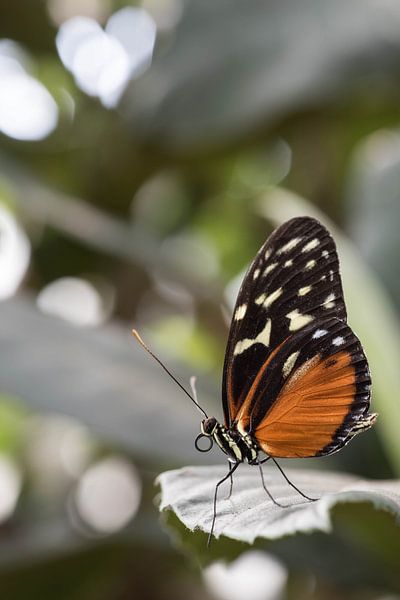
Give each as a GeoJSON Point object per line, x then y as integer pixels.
{"type": "Point", "coordinates": [208, 428]}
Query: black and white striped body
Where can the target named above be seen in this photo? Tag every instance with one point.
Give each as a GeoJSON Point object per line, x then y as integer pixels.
{"type": "Point", "coordinates": [238, 446]}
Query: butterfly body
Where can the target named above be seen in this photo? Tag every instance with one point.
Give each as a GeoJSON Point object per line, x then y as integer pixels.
{"type": "Point", "coordinates": [237, 446]}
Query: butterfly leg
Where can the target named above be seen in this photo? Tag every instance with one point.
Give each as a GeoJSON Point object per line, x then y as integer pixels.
{"type": "Point", "coordinates": [292, 484]}
{"type": "Point", "coordinates": [264, 460]}
{"type": "Point", "coordinates": [230, 487]}
{"type": "Point", "coordinates": [265, 487]}
{"type": "Point", "coordinates": [227, 476]}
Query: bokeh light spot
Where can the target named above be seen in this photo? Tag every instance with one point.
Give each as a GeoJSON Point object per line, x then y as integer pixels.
{"type": "Point", "coordinates": [135, 29]}
{"type": "Point", "coordinates": [255, 576]}
{"type": "Point", "coordinates": [72, 34]}
{"type": "Point", "coordinates": [10, 487]}
{"type": "Point", "coordinates": [74, 300]}
{"type": "Point", "coordinates": [108, 495]}
{"type": "Point", "coordinates": [27, 110]}
{"type": "Point", "coordinates": [58, 450]}
{"type": "Point", "coordinates": [103, 62]}
{"type": "Point", "coordinates": [14, 254]}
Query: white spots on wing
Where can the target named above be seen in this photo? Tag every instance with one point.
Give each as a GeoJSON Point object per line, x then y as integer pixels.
{"type": "Point", "coordinates": [338, 341]}
{"type": "Point", "coordinates": [305, 290]}
{"type": "Point", "coordinates": [267, 299]}
{"type": "Point", "coordinates": [288, 263]}
{"type": "Point", "coordinates": [289, 363]}
{"type": "Point", "coordinates": [325, 253]}
{"type": "Point", "coordinates": [323, 278]}
{"type": "Point", "coordinates": [310, 265]}
{"type": "Point", "coordinates": [329, 301]}
{"type": "Point", "coordinates": [269, 268]}
{"type": "Point", "coordinates": [268, 253]}
{"type": "Point", "coordinates": [256, 273]}
{"type": "Point", "coordinates": [331, 275]}
{"type": "Point", "coordinates": [262, 338]}
{"type": "Point", "coordinates": [319, 333]}
{"type": "Point", "coordinates": [272, 297]}
{"type": "Point", "coordinates": [240, 312]}
{"type": "Point", "coordinates": [297, 320]}
{"type": "Point", "coordinates": [311, 245]}
{"type": "Point", "coordinates": [242, 346]}
{"type": "Point", "coordinates": [289, 245]}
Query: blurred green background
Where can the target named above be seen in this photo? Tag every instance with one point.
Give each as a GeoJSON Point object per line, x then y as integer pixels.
{"type": "Point", "coordinates": [146, 152]}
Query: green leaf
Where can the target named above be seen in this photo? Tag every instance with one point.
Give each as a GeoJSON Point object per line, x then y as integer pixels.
{"type": "Point", "coordinates": [231, 67]}
{"type": "Point", "coordinates": [373, 208]}
{"type": "Point", "coordinates": [249, 514]}
{"type": "Point", "coordinates": [12, 424]}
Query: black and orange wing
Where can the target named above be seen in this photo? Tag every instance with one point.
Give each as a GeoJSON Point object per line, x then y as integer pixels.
{"type": "Point", "coordinates": [312, 396]}
{"type": "Point", "coordinates": [294, 281]}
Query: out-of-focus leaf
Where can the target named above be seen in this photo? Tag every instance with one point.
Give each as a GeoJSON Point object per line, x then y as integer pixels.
{"type": "Point", "coordinates": [373, 207]}
{"type": "Point", "coordinates": [101, 377]}
{"type": "Point", "coordinates": [92, 571]}
{"type": "Point", "coordinates": [12, 424]}
{"type": "Point", "coordinates": [232, 66]}
{"type": "Point", "coordinates": [97, 229]}
{"type": "Point", "coordinates": [361, 536]}
{"type": "Point", "coordinates": [367, 303]}
{"type": "Point", "coordinates": [249, 513]}
{"type": "Point", "coordinates": [72, 216]}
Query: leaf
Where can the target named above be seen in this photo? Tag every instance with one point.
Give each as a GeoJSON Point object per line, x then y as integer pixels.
{"type": "Point", "coordinates": [373, 207]}
{"type": "Point", "coordinates": [231, 66]}
{"type": "Point", "coordinates": [99, 376]}
{"type": "Point", "coordinates": [249, 513]}
{"type": "Point", "coordinates": [371, 314]}
{"type": "Point", "coordinates": [98, 230]}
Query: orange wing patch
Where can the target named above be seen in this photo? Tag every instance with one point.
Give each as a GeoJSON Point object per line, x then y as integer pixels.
{"type": "Point", "coordinates": [243, 416]}
{"type": "Point", "coordinates": [310, 408]}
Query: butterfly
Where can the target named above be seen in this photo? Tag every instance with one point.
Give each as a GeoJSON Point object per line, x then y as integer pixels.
{"type": "Point", "coordinates": [296, 381]}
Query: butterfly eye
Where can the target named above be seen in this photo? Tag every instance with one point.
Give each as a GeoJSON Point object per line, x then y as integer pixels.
{"type": "Point", "coordinates": [208, 426]}
{"type": "Point", "coordinates": [199, 447]}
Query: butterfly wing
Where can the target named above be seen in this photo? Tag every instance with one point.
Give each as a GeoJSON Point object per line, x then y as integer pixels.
{"type": "Point", "coordinates": [312, 396]}
{"type": "Point", "coordinates": [293, 281]}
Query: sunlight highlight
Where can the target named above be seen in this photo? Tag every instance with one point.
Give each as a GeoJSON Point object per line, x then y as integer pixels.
{"type": "Point", "coordinates": [103, 61]}
{"type": "Point", "coordinates": [15, 254]}
{"type": "Point", "coordinates": [58, 450]}
{"type": "Point", "coordinates": [10, 486]}
{"type": "Point", "coordinates": [254, 575]}
{"type": "Point", "coordinates": [74, 300]}
{"type": "Point", "coordinates": [108, 495]}
{"type": "Point", "coordinates": [27, 110]}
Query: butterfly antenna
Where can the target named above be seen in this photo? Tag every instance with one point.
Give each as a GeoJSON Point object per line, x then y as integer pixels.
{"type": "Point", "coordinates": [192, 398]}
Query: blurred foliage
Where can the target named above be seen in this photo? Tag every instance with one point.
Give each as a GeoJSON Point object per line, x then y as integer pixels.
{"type": "Point", "coordinates": [358, 557]}
{"type": "Point", "coordinates": [12, 419]}
{"type": "Point", "coordinates": [161, 203]}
